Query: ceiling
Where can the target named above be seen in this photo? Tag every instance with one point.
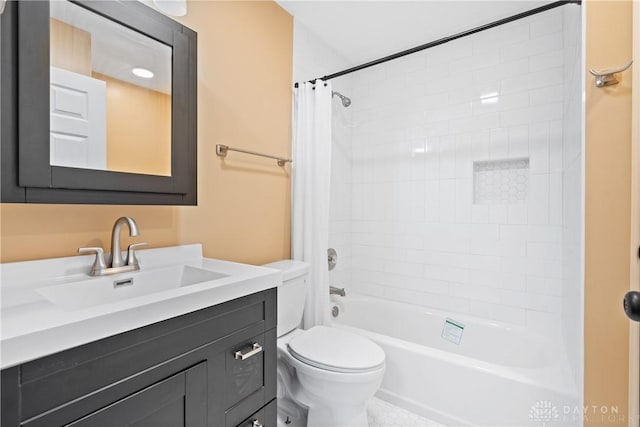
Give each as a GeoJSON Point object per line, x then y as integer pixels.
{"type": "Point", "coordinates": [362, 31]}
{"type": "Point", "coordinates": [115, 49]}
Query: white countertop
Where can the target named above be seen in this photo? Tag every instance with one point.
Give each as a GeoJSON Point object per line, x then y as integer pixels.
{"type": "Point", "coordinates": [32, 327]}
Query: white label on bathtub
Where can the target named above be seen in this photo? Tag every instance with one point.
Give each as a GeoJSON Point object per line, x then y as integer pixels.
{"type": "Point", "coordinates": [452, 331]}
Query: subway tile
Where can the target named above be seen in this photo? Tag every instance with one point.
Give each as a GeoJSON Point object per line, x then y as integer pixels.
{"type": "Point", "coordinates": [531, 115]}
{"type": "Point", "coordinates": [513, 233]}
{"type": "Point", "coordinates": [544, 285]}
{"type": "Point", "coordinates": [456, 49]}
{"type": "Point", "coordinates": [448, 112]}
{"type": "Point", "coordinates": [489, 78]}
{"type": "Point", "coordinates": [499, 143]}
{"type": "Point", "coordinates": [531, 47]}
{"type": "Point", "coordinates": [474, 292]}
{"type": "Point", "coordinates": [538, 199]}
{"type": "Point", "coordinates": [475, 123]}
{"type": "Point", "coordinates": [480, 214]}
{"type": "Point", "coordinates": [541, 233]}
{"type": "Point", "coordinates": [500, 36]}
{"type": "Point", "coordinates": [402, 212]}
{"type": "Point", "coordinates": [432, 286]}
{"type": "Point", "coordinates": [556, 146]}
{"type": "Point", "coordinates": [498, 214]}
{"type": "Point", "coordinates": [555, 199]}
{"type": "Point", "coordinates": [401, 66]}
{"type": "Point", "coordinates": [552, 250]}
{"type": "Point", "coordinates": [482, 59]}
{"type": "Point", "coordinates": [463, 201]}
{"type": "Point", "coordinates": [447, 159]}
{"type": "Point", "coordinates": [551, 24]}
{"type": "Point", "coordinates": [447, 259]}
{"type": "Point", "coordinates": [539, 148]}
{"type": "Point", "coordinates": [497, 247]}
{"type": "Point", "coordinates": [446, 202]}
{"type": "Point", "coordinates": [447, 274]}
{"type": "Point", "coordinates": [546, 95]}
{"type": "Point", "coordinates": [497, 312]}
{"type": "Point", "coordinates": [484, 262]}
{"type": "Point", "coordinates": [517, 214]}
{"type": "Point", "coordinates": [546, 60]}
{"type": "Point", "coordinates": [519, 141]}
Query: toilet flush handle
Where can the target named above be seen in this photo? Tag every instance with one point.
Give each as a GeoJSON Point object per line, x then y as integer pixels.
{"type": "Point", "coordinates": [257, 348]}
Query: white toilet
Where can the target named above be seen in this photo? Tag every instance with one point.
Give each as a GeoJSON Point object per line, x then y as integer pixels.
{"type": "Point", "coordinates": [328, 373]}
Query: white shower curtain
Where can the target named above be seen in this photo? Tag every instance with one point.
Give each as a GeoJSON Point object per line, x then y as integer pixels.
{"type": "Point", "coordinates": [311, 172]}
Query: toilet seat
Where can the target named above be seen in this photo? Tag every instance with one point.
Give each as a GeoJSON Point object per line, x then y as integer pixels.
{"type": "Point", "coordinates": [336, 350]}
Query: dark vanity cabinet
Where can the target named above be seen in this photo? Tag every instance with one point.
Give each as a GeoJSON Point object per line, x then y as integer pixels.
{"type": "Point", "coordinates": [214, 367]}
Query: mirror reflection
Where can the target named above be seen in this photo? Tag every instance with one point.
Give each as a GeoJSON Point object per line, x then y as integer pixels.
{"type": "Point", "coordinates": [110, 95]}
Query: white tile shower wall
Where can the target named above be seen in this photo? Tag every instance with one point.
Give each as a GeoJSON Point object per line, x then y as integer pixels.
{"type": "Point", "coordinates": [340, 209]}
{"type": "Point", "coordinates": [417, 236]}
{"type": "Point", "coordinates": [572, 195]}
{"type": "Point", "coordinates": [312, 58]}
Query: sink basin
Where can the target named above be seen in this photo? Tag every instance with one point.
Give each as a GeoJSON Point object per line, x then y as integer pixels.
{"type": "Point", "coordinates": [109, 289]}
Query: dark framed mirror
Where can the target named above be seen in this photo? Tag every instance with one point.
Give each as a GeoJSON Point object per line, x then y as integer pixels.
{"type": "Point", "coordinates": [99, 104]}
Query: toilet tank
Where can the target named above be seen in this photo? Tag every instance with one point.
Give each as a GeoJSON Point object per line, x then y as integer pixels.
{"type": "Point", "coordinates": [292, 294]}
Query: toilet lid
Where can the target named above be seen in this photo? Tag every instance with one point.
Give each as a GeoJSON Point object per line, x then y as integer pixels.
{"type": "Point", "coordinates": [336, 350]}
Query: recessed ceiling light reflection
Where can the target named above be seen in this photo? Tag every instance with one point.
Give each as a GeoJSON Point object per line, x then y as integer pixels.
{"type": "Point", "coordinates": [142, 72]}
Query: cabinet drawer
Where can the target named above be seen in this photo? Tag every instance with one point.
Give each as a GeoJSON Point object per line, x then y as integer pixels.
{"type": "Point", "coordinates": [265, 417]}
{"type": "Point", "coordinates": [250, 382]}
{"type": "Point", "coordinates": [244, 369]}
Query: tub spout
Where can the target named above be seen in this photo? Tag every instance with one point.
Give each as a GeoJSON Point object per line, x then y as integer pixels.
{"type": "Point", "coordinates": [337, 291]}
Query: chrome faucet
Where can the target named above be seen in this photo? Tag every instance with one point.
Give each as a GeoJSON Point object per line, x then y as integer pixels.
{"type": "Point", "coordinates": [116, 264]}
{"type": "Point", "coordinates": [116, 254]}
{"type": "Point", "coordinates": [337, 291]}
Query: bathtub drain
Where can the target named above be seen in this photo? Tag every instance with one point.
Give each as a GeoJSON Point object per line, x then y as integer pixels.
{"type": "Point", "coordinates": [335, 311]}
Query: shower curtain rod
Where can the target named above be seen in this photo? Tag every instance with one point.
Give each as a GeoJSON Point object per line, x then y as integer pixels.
{"type": "Point", "coordinates": [448, 39]}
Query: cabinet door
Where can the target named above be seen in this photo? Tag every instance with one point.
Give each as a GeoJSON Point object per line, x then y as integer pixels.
{"type": "Point", "coordinates": [179, 400]}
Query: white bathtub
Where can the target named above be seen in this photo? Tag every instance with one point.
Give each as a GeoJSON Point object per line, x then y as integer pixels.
{"type": "Point", "coordinates": [499, 374]}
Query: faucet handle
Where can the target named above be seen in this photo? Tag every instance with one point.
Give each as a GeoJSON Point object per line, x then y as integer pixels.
{"type": "Point", "coordinates": [99, 264]}
{"type": "Point", "coordinates": [131, 254]}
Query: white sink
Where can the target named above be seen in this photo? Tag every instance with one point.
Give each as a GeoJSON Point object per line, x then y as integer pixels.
{"type": "Point", "coordinates": [51, 305]}
{"type": "Point", "coordinates": [108, 289]}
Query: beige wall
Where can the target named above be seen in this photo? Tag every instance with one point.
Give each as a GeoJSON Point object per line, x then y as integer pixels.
{"type": "Point", "coordinates": [70, 48]}
{"type": "Point", "coordinates": [608, 172]}
{"type": "Point", "coordinates": [244, 99]}
{"type": "Point", "coordinates": [138, 128]}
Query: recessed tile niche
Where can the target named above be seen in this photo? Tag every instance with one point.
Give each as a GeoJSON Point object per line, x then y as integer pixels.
{"type": "Point", "coordinates": [503, 181]}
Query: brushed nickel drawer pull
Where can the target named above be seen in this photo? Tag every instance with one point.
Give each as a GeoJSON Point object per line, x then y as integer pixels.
{"type": "Point", "coordinates": [257, 423]}
{"type": "Point", "coordinates": [257, 348]}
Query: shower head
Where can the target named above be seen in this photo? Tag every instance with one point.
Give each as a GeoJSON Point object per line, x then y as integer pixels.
{"type": "Point", "coordinates": [345, 101]}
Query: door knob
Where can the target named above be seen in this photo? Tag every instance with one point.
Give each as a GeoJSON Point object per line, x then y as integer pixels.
{"type": "Point", "coordinates": [632, 305]}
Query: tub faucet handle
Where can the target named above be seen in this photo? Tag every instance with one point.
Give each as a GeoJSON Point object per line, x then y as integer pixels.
{"type": "Point", "coordinates": [337, 291]}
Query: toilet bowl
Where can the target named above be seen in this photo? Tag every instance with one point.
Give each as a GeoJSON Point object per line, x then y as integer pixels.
{"type": "Point", "coordinates": [325, 375]}
{"type": "Point", "coordinates": [336, 373]}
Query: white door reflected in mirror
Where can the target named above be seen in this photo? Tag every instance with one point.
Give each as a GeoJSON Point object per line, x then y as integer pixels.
{"type": "Point", "coordinates": [110, 94]}
{"type": "Point", "coordinates": [78, 120]}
